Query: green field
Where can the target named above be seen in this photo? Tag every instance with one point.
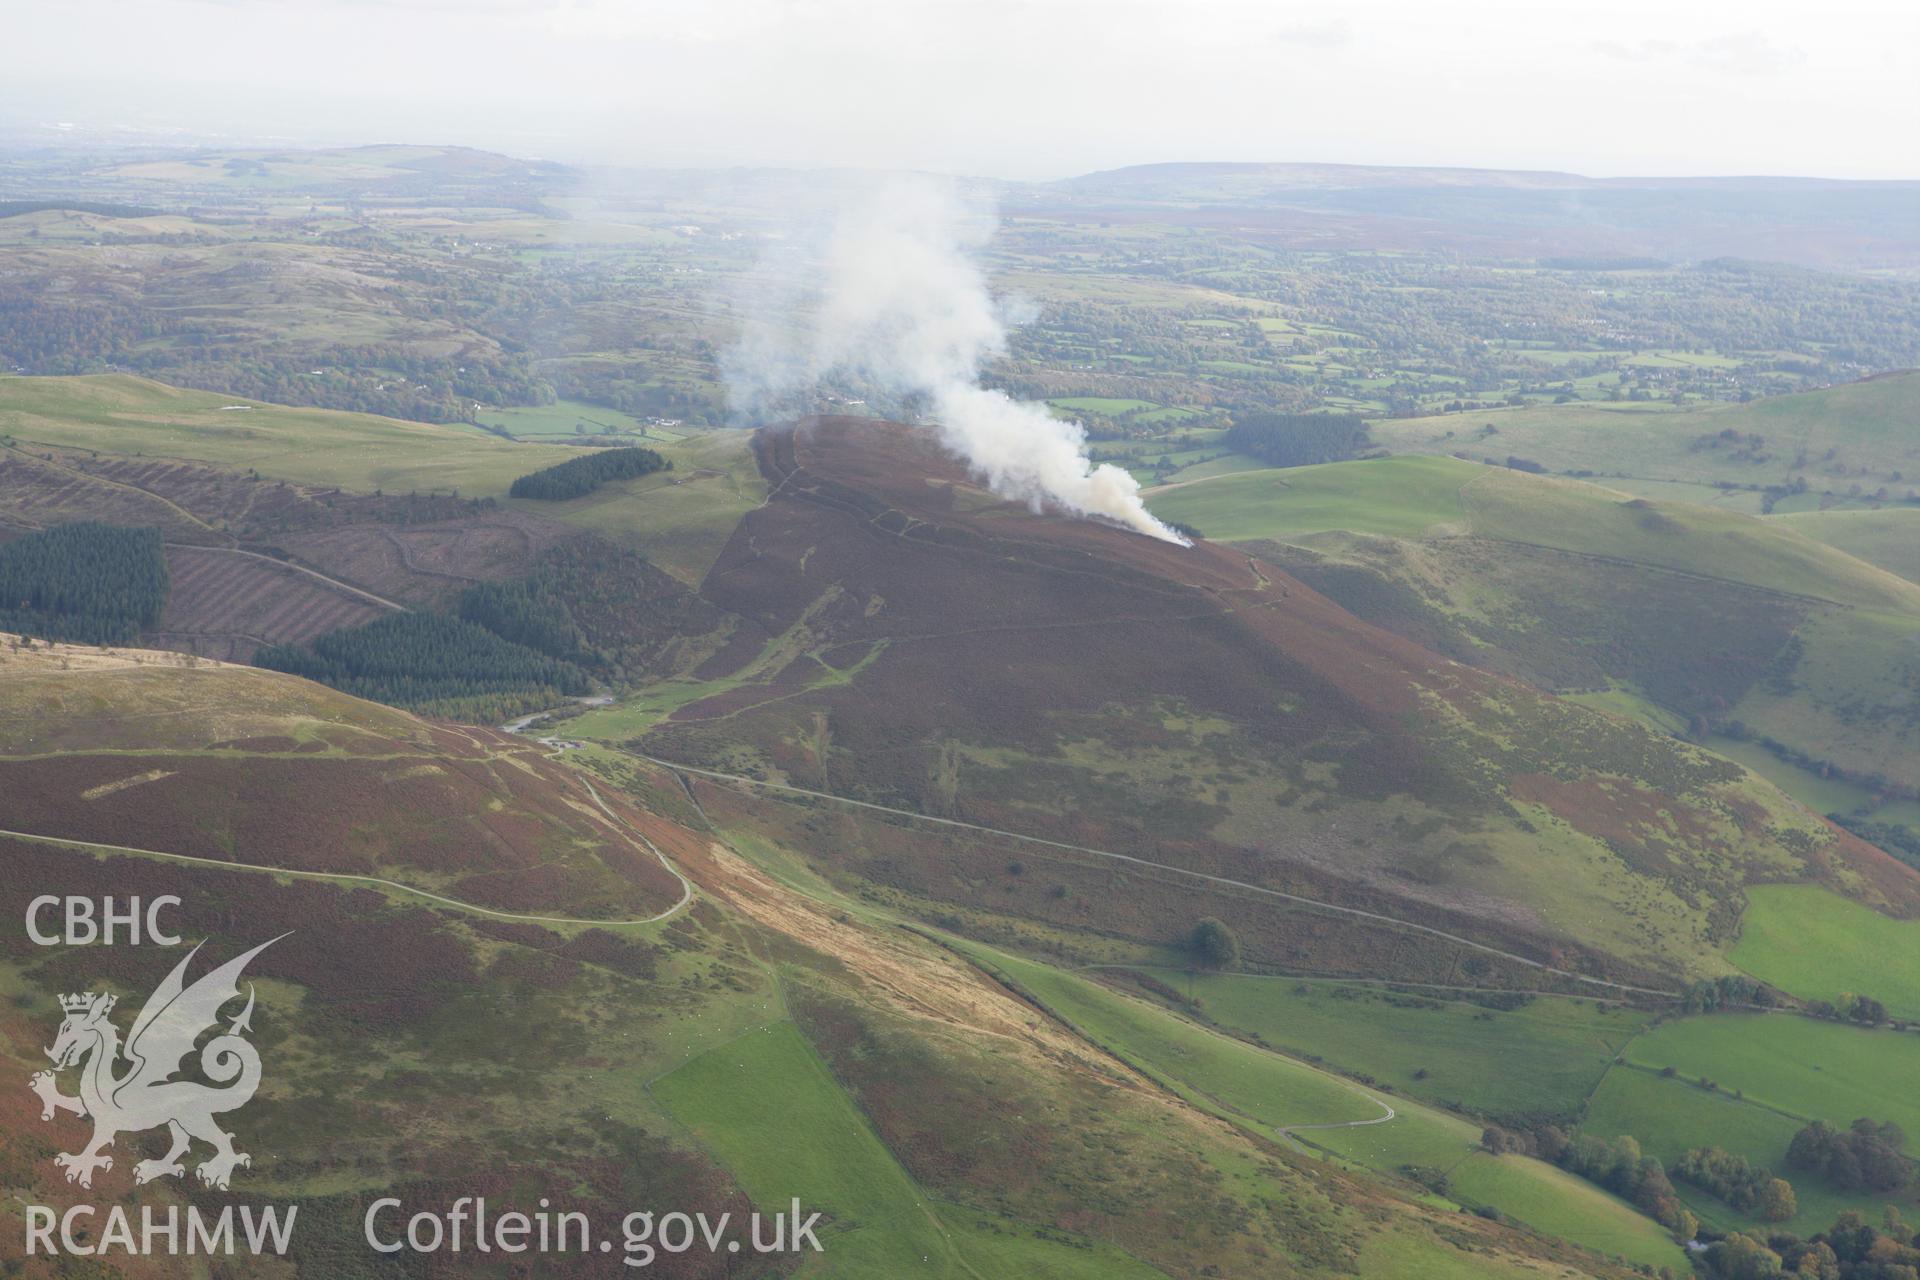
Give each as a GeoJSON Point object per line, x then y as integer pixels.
{"type": "Point", "coordinates": [1552, 1200]}
{"type": "Point", "coordinates": [771, 1113]}
{"type": "Point", "coordinates": [113, 413]}
{"type": "Point", "coordinates": [1889, 538]}
{"type": "Point", "coordinates": [1544, 1197]}
{"type": "Point", "coordinates": [570, 419]}
{"type": "Point", "coordinates": [1815, 944]}
{"type": "Point", "coordinates": [1668, 1117]}
{"type": "Point", "coordinates": [1210, 1067]}
{"type": "Point", "coordinates": [1719, 544]}
{"type": "Point", "coordinates": [1540, 1060]}
{"type": "Point", "coordinates": [1698, 493]}
{"type": "Point", "coordinates": [1631, 704]}
{"type": "Point", "coordinates": [1836, 437]}
{"type": "Point", "coordinates": [1103, 405]}
{"type": "Point", "coordinates": [679, 519]}
{"type": "Point", "coordinates": [1808, 1069]}
{"type": "Point", "coordinates": [1411, 497]}
{"type": "Point", "coordinates": [1401, 497]}
{"type": "Point", "coordinates": [1822, 795]}
{"type": "Point", "coordinates": [1566, 584]}
{"type": "Point", "coordinates": [1225, 464]}
{"type": "Point", "coordinates": [1249, 1084]}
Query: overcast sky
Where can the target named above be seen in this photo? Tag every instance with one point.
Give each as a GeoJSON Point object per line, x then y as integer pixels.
{"type": "Point", "coordinates": [1006, 88]}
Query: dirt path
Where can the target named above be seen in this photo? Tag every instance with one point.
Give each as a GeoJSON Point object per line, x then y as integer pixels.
{"type": "Point", "coordinates": [297, 568]}
{"type": "Point", "coordinates": [686, 886]}
{"type": "Point", "coordinates": [1316, 975]}
{"type": "Point", "coordinates": [1262, 890]}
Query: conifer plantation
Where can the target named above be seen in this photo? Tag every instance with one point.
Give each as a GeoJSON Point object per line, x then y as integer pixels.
{"type": "Point", "coordinates": [578, 477]}
{"type": "Point", "coordinates": [86, 581]}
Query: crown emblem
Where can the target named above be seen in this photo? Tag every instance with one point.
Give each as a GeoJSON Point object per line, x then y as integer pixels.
{"type": "Point", "coordinates": [83, 1002]}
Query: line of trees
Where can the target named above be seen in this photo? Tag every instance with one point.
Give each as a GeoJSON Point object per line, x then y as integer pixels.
{"type": "Point", "coordinates": [1748, 1187]}
{"type": "Point", "coordinates": [86, 582]}
{"type": "Point", "coordinates": [1729, 991]}
{"type": "Point", "coordinates": [1619, 1166]}
{"type": "Point", "coordinates": [1852, 1249]}
{"type": "Point", "coordinates": [1849, 1007]}
{"type": "Point", "coordinates": [578, 477]}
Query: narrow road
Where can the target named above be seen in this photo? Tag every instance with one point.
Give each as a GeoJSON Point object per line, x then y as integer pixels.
{"type": "Point", "coordinates": [1129, 859]}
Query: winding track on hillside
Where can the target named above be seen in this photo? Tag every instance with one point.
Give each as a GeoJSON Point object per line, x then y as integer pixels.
{"type": "Point", "coordinates": [297, 568]}
{"type": "Point", "coordinates": [686, 885]}
{"type": "Point", "coordinates": [1374, 916]}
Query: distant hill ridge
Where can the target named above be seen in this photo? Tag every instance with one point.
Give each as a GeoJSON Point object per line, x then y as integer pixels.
{"type": "Point", "coordinates": [1310, 175]}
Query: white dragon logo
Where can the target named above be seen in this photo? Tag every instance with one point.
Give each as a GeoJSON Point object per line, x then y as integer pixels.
{"type": "Point", "coordinates": [145, 1096]}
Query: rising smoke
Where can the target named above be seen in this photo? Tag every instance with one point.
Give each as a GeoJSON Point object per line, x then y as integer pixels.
{"type": "Point", "coordinates": [893, 304]}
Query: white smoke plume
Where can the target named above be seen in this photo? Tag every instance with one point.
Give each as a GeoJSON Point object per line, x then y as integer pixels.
{"type": "Point", "coordinates": [894, 304]}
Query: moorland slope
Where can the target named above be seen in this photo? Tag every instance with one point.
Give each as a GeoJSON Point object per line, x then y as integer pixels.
{"type": "Point", "coordinates": [915, 642]}
{"type": "Point", "coordinates": [179, 755]}
{"type": "Point", "coordinates": [757, 1046]}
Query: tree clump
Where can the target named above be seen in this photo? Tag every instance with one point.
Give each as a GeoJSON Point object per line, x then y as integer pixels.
{"type": "Point", "coordinates": [1864, 1157]}
{"type": "Point", "coordinates": [1297, 439]}
{"type": "Point", "coordinates": [577, 477]}
{"type": "Point", "coordinates": [1215, 945]}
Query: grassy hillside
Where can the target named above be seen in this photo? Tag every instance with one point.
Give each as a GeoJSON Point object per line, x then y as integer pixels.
{"type": "Point", "coordinates": [680, 519]}
{"type": "Point", "coordinates": [114, 413]}
{"type": "Point", "coordinates": [1434, 498]}
{"type": "Point", "coordinates": [1397, 497]}
{"type": "Point", "coordinates": [1515, 1058]}
{"type": "Point", "coordinates": [1889, 538]}
{"type": "Point", "coordinates": [1817, 946]}
{"type": "Point", "coordinates": [1807, 1069]}
{"type": "Point", "coordinates": [1214, 1069]}
{"type": "Point", "coordinates": [1858, 434]}
{"type": "Point", "coordinates": [1260, 1088]}
{"type": "Point", "coordinates": [773, 1115]}
{"type": "Point", "coordinates": [1700, 621]}
{"type": "Point", "coordinates": [1670, 1117]}
{"type": "Point", "coordinates": [1516, 507]}
{"type": "Point", "coordinates": [1545, 1197]}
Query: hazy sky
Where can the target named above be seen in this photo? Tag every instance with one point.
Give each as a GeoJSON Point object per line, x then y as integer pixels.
{"type": "Point", "coordinates": [1009, 88]}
